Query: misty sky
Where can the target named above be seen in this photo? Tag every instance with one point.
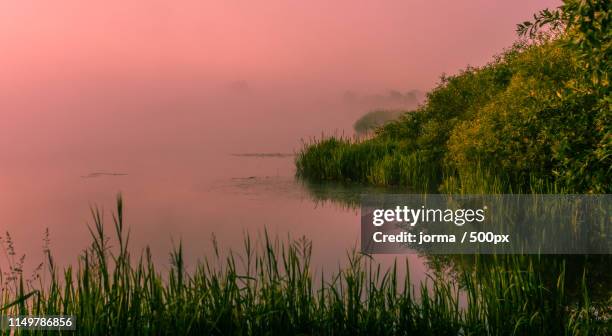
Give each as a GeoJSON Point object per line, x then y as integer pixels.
{"type": "Point", "coordinates": [368, 45]}
{"type": "Point", "coordinates": [120, 79]}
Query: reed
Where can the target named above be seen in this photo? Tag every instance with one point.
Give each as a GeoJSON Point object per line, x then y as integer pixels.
{"type": "Point", "coordinates": [270, 288]}
{"type": "Point", "coordinates": [389, 163]}
{"type": "Point", "coordinates": [373, 162]}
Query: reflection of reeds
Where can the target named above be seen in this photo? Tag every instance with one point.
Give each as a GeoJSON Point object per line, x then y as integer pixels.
{"type": "Point", "coordinates": [346, 196]}
{"type": "Point", "coordinates": [269, 289]}
{"type": "Point", "coordinates": [536, 223]}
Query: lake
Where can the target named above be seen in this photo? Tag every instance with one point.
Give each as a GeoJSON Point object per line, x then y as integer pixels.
{"type": "Point", "coordinates": [189, 165]}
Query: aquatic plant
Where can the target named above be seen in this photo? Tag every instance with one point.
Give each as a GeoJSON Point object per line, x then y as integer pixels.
{"type": "Point", "coordinates": [270, 288]}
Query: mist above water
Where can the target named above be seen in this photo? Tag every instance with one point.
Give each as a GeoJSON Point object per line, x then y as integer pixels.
{"type": "Point", "coordinates": [152, 98]}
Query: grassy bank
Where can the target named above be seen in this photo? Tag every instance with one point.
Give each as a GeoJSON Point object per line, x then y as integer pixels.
{"type": "Point", "coordinates": [537, 118]}
{"type": "Point", "coordinates": [269, 288]}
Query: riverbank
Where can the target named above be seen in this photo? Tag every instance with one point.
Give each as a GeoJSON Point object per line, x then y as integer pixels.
{"type": "Point", "coordinates": [536, 119]}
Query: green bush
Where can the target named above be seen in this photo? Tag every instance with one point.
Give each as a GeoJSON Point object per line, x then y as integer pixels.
{"type": "Point", "coordinates": [536, 119]}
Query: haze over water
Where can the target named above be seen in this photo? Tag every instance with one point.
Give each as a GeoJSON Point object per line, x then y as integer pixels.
{"type": "Point", "coordinates": [166, 92]}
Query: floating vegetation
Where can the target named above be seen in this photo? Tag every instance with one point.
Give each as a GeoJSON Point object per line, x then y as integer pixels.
{"type": "Point", "coordinates": [101, 173]}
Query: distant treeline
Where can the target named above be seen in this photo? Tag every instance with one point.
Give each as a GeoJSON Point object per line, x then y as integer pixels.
{"type": "Point", "coordinates": [374, 119]}
{"type": "Point", "coordinates": [535, 119]}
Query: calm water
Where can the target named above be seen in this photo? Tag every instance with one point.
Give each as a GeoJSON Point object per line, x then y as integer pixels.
{"type": "Point", "coordinates": [175, 150]}
{"type": "Point", "coordinates": [173, 158]}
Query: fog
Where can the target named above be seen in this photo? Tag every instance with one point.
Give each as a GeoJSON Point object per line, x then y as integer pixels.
{"type": "Point", "coordinates": [315, 44]}
{"type": "Point", "coordinates": [166, 91]}
{"type": "Point", "coordinates": [113, 76]}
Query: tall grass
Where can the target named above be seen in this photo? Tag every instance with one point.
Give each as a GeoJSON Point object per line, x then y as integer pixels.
{"type": "Point", "coordinates": [384, 162]}
{"type": "Point", "coordinates": [270, 289]}
{"type": "Point", "coordinates": [375, 162]}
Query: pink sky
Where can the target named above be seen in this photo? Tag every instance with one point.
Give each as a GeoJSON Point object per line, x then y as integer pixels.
{"type": "Point", "coordinates": [339, 44]}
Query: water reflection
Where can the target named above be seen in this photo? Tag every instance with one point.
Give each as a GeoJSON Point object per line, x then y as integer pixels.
{"type": "Point", "coordinates": [582, 272]}
{"type": "Point", "coordinates": [188, 199]}
{"type": "Point", "coordinates": [344, 195]}
{"type": "Point", "coordinates": [589, 272]}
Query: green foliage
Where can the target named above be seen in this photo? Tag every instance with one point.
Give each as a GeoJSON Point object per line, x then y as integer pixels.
{"type": "Point", "coordinates": [536, 119]}
{"type": "Point", "coordinates": [271, 289]}
{"type": "Point", "coordinates": [585, 163]}
{"type": "Point", "coordinates": [377, 162]}
{"type": "Point", "coordinates": [586, 30]}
